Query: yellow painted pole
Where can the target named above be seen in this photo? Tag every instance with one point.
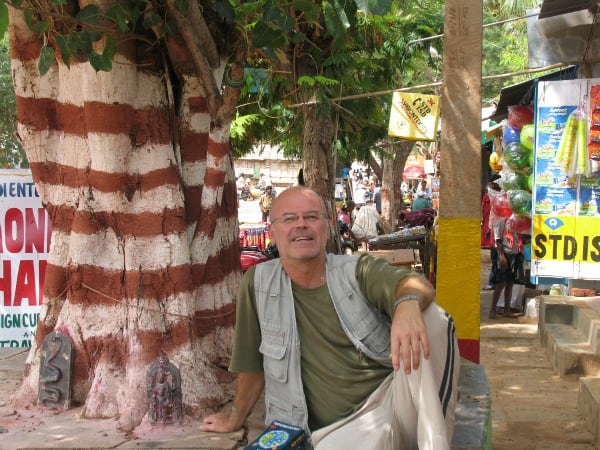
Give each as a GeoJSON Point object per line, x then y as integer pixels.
{"type": "Point", "coordinates": [458, 250]}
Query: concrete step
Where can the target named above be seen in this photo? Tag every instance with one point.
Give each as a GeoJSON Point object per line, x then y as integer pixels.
{"type": "Point", "coordinates": [473, 425]}
{"type": "Point", "coordinates": [570, 352]}
{"type": "Point", "coordinates": [569, 330]}
{"type": "Point", "coordinates": [588, 403]}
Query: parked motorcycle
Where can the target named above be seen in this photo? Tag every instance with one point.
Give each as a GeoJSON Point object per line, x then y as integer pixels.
{"type": "Point", "coordinates": [246, 193]}
{"type": "Point", "coordinates": [251, 256]}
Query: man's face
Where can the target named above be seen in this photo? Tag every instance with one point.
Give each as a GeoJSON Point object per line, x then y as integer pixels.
{"type": "Point", "coordinates": [299, 225]}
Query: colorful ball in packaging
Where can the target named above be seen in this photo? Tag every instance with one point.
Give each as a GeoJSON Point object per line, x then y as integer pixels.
{"type": "Point", "coordinates": [517, 157]}
{"type": "Point", "coordinates": [510, 135]}
{"type": "Point", "coordinates": [514, 181]}
{"type": "Point", "coordinates": [518, 116]}
{"type": "Point", "coordinates": [500, 206]}
{"type": "Point", "coordinates": [527, 135]}
{"type": "Point", "coordinates": [519, 224]}
{"type": "Point", "coordinates": [520, 202]}
{"type": "Point", "coordinates": [495, 162]}
{"type": "Point", "coordinates": [530, 183]}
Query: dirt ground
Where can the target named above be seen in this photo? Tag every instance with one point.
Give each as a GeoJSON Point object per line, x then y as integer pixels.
{"type": "Point", "coordinates": [532, 408]}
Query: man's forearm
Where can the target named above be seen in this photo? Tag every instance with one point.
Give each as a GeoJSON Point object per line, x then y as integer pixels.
{"type": "Point", "coordinates": [249, 388]}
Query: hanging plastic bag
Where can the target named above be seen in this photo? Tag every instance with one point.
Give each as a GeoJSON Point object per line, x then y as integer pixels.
{"type": "Point", "coordinates": [365, 223]}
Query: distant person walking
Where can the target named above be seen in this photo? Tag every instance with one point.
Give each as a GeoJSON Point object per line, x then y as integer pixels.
{"type": "Point", "coordinates": [266, 203]}
{"type": "Point", "coordinates": [508, 267]}
{"type": "Point", "coordinates": [487, 234]}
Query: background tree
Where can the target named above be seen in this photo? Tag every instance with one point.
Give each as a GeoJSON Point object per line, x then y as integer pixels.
{"type": "Point", "coordinates": [332, 100]}
{"type": "Point", "coordinates": [11, 151]}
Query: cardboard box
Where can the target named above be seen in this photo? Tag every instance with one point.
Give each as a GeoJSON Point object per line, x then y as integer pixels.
{"type": "Point", "coordinates": [279, 436]}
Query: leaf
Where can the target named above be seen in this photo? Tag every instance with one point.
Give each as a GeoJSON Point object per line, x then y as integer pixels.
{"type": "Point", "coordinates": [46, 59]}
{"type": "Point", "coordinates": [306, 81]}
{"type": "Point", "coordinates": [182, 6]}
{"type": "Point", "coordinates": [3, 19]}
{"type": "Point", "coordinates": [121, 16]}
{"type": "Point", "coordinates": [28, 15]}
{"type": "Point", "coordinates": [84, 42]}
{"type": "Point", "coordinates": [63, 46]}
{"type": "Point", "coordinates": [310, 10]}
{"type": "Point", "coordinates": [90, 14]}
{"type": "Point", "coordinates": [41, 27]}
{"type": "Point", "coordinates": [73, 43]}
{"type": "Point", "coordinates": [283, 21]}
{"type": "Point", "coordinates": [326, 81]}
{"type": "Point", "coordinates": [59, 2]}
{"type": "Point", "coordinates": [110, 47]}
{"type": "Point", "coordinates": [101, 62]}
{"type": "Point", "coordinates": [335, 19]}
{"type": "Point", "coordinates": [225, 11]}
{"type": "Point", "coordinates": [265, 36]}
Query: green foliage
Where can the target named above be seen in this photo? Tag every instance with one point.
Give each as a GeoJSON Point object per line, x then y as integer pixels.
{"type": "Point", "coordinates": [11, 152]}
{"type": "Point", "coordinates": [3, 19]}
{"type": "Point", "coordinates": [504, 51]}
{"type": "Point", "coordinates": [78, 35]}
{"type": "Point", "coordinates": [354, 54]}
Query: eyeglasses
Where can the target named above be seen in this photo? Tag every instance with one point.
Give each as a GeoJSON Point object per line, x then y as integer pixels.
{"type": "Point", "coordinates": [290, 219]}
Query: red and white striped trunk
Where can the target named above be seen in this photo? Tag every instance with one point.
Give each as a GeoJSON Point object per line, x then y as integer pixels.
{"type": "Point", "coordinates": [144, 255]}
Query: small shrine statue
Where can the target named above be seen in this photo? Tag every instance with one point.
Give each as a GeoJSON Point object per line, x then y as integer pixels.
{"type": "Point", "coordinates": [163, 391]}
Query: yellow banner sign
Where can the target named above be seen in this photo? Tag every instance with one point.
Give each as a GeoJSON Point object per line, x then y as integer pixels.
{"type": "Point", "coordinates": [566, 238]}
{"type": "Point", "coordinates": [414, 116]}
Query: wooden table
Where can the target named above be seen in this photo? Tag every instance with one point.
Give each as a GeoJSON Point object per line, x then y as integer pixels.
{"type": "Point", "coordinates": [420, 242]}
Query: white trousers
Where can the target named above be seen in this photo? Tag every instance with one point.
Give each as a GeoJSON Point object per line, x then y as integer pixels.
{"type": "Point", "coordinates": [406, 411]}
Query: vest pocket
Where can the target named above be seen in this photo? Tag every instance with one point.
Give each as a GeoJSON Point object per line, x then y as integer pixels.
{"type": "Point", "coordinates": [283, 411]}
{"type": "Point", "coordinates": [273, 346]}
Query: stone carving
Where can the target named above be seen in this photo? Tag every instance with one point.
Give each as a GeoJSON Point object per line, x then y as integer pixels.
{"type": "Point", "coordinates": [163, 391]}
{"type": "Point", "coordinates": [55, 371]}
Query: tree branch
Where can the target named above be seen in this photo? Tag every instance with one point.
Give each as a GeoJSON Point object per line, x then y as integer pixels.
{"type": "Point", "coordinates": [202, 48]}
{"type": "Point", "coordinates": [234, 80]}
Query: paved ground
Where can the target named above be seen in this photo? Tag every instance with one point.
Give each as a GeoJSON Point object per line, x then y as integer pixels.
{"type": "Point", "coordinates": [532, 407]}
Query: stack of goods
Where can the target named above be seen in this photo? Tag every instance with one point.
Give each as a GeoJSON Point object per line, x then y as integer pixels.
{"type": "Point", "coordinates": [514, 201]}
{"type": "Point", "coordinates": [255, 235]}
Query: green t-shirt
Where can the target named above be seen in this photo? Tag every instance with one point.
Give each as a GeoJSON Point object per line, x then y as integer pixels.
{"type": "Point", "coordinates": [337, 378]}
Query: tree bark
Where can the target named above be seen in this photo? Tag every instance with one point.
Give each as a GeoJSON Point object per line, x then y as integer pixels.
{"type": "Point", "coordinates": [139, 185]}
{"type": "Point", "coordinates": [391, 195]}
{"type": "Point", "coordinates": [319, 164]}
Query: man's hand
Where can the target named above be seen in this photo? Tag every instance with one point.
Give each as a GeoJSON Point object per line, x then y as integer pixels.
{"type": "Point", "coordinates": [408, 336]}
{"type": "Point", "coordinates": [249, 388]}
{"type": "Point", "coordinates": [222, 422]}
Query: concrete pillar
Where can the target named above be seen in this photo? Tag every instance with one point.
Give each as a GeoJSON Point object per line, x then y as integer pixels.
{"type": "Point", "coordinates": [458, 251]}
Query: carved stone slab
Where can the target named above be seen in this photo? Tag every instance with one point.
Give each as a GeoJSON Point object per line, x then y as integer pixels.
{"type": "Point", "coordinates": [163, 390]}
{"type": "Point", "coordinates": [55, 371]}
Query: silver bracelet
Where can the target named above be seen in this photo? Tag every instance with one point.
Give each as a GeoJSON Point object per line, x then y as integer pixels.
{"type": "Point", "coordinates": [407, 297]}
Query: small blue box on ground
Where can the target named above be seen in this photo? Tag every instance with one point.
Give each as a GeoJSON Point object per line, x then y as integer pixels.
{"type": "Point", "coordinates": [279, 436]}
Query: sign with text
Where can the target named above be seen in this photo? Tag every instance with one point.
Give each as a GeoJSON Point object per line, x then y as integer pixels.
{"type": "Point", "coordinates": [565, 240]}
{"type": "Point", "coordinates": [25, 231]}
{"type": "Point", "coordinates": [414, 116]}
